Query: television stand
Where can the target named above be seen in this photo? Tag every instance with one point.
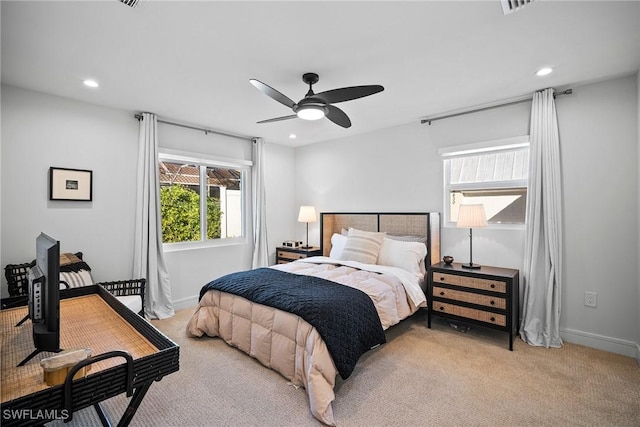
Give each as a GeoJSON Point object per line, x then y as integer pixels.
{"type": "Point", "coordinates": [24, 319]}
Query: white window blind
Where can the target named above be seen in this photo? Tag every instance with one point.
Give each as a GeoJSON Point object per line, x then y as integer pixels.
{"type": "Point", "coordinates": [491, 167]}
{"type": "Point", "coordinates": [493, 173]}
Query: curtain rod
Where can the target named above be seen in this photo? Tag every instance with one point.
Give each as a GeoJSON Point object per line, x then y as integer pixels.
{"type": "Point", "coordinates": [476, 110]}
{"type": "Point", "coordinates": [201, 129]}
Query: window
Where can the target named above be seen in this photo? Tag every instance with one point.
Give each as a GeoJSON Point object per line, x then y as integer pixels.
{"type": "Point", "coordinates": [494, 174]}
{"type": "Point", "coordinates": [201, 200]}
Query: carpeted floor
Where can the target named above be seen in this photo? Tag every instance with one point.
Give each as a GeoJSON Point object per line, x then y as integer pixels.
{"type": "Point", "coordinates": [421, 377]}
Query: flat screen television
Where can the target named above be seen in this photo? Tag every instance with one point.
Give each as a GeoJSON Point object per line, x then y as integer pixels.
{"type": "Point", "coordinates": [44, 296]}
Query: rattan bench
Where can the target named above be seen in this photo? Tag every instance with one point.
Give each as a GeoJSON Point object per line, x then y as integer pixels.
{"type": "Point", "coordinates": [125, 288]}
{"type": "Point", "coordinates": [17, 276]}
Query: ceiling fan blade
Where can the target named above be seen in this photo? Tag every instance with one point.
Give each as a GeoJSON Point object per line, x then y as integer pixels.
{"type": "Point", "coordinates": [272, 93]}
{"type": "Point", "coordinates": [277, 119]}
{"type": "Point", "coordinates": [347, 93]}
{"type": "Point", "coordinates": [338, 116]}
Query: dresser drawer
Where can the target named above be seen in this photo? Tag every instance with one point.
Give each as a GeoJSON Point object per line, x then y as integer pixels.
{"type": "Point", "coordinates": [470, 282]}
{"type": "Point", "coordinates": [290, 255]}
{"type": "Point", "coordinates": [470, 313]}
{"type": "Point", "coordinates": [469, 297]}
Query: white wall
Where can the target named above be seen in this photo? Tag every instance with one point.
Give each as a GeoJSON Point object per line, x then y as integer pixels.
{"type": "Point", "coordinates": [41, 130]}
{"type": "Point", "coordinates": [638, 107]}
{"type": "Point", "coordinates": [399, 170]}
{"type": "Point", "coordinates": [599, 150]}
{"type": "Point", "coordinates": [282, 212]}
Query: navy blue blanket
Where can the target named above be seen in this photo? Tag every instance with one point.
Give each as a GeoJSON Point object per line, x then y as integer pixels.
{"type": "Point", "coordinates": [345, 317]}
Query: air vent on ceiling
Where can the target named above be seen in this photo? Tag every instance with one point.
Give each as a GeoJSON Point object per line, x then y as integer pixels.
{"type": "Point", "coordinates": [510, 6]}
{"type": "Point", "coordinates": [130, 3]}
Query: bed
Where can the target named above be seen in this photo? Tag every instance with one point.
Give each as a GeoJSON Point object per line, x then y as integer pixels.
{"type": "Point", "coordinates": [293, 317]}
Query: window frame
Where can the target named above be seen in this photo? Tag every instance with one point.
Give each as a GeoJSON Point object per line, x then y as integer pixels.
{"type": "Point", "coordinates": [205, 161]}
{"type": "Point", "coordinates": [447, 153]}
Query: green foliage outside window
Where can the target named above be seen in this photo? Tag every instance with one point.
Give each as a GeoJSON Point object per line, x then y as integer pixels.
{"type": "Point", "coordinates": [180, 207]}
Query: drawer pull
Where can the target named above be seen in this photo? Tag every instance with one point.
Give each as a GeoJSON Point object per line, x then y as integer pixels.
{"type": "Point", "coordinates": [493, 319]}
{"type": "Point", "coordinates": [441, 308]}
{"type": "Point", "coordinates": [441, 293]}
{"type": "Point", "coordinates": [493, 285]}
{"type": "Point", "coordinates": [492, 302]}
{"type": "Point", "coordinates": [441, 279]}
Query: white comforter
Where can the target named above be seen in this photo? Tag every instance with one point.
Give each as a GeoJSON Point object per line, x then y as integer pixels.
{"type": "Point", "coordinates": [285, 342]}
{"type": "Point", "coordinates": [398, 298]}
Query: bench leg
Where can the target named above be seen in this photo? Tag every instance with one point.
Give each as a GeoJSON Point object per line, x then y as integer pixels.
{"type": "Point", "coordinates": [136, 399]}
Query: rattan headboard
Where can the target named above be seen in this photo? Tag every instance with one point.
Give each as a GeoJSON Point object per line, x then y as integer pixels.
{"type": "Point", "coordinates": [423, 224]}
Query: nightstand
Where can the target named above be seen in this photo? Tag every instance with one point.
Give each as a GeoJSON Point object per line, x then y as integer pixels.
{"type": "Point", "coordinates": [284, 254]}
{"type": "Point", "coordinates": [486, 297]}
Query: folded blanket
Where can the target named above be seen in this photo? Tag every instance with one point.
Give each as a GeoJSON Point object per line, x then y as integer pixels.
{"type": "Point", "coordinates": [75, 266]}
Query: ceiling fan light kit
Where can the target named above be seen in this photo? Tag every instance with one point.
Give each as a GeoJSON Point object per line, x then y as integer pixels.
{"type": "Point", "coordinates": [315, 106]}
{"type": "Point", "coordinates": [310, 112]}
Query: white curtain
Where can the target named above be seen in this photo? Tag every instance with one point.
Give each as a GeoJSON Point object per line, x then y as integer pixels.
{"type": "Point", "coordinates": [148, 258]}
{"type": "Point", "coordinates": [260, 245]}
{"type": "Point", "coordinates": [542, 272]}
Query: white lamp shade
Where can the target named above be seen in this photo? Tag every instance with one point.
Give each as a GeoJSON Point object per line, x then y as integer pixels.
{"type": "Point", "coordinates": [471, 216]}
{"type": "Point", "coordinates": [307, 214]}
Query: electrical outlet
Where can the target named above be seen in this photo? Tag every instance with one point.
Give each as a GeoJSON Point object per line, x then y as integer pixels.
{"type": "Point", "coordinates": [590, 299]}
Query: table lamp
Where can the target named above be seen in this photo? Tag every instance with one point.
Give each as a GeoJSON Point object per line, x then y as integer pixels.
{"type": "Point", "coordinates": [471, 216]}
{"type": "Point", "coordinates": [307, 214]}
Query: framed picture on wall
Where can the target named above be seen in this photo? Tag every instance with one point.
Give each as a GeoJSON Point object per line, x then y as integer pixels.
{"type": "Point", "coordinates": [70, 184]}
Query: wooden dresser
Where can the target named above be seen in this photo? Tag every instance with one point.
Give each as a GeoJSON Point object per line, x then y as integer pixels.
{"type": "Point", "coordinates": [488, 296]}
{"type": "Point", "coordinates": [284, 254]}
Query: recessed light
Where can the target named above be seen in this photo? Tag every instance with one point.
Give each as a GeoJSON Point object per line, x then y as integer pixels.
{"type": "Point", "coordinates": [292, 136]}
{"type": "Point", "coordinates": [90, 83]}
{"type": "Point", "coordinates": [544, 71]}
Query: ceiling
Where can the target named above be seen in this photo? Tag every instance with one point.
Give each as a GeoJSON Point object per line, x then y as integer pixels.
{"type": "Point", "coordinates": [191, 62]}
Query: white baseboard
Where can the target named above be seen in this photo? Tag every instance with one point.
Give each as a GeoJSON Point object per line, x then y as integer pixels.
{"type": "Point", "coordinates": [601, 342]}
{"type": "Point", "coordinates": [191, 301]}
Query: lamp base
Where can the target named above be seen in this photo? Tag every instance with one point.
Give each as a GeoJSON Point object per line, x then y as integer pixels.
{"type": "Point", "coordinates": [470, 265]}
{"type": "Point", "coordinates": [306, 247]}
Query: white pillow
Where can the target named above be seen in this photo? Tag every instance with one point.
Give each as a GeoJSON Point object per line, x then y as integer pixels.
{"type": "Point", "coordinates": [362, 246]}
{"type": "Point", "coordinates": [406, 255]}
{"type": "Point", "coordinates": [132, 302]}
{"type": "Point", "coordinates": [337, 245]}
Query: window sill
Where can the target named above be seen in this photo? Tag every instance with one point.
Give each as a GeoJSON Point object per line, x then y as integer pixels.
{"type": "Point", "coordinates": [189, 246]}
{"type": "Point", "coordinates": [490, 226]}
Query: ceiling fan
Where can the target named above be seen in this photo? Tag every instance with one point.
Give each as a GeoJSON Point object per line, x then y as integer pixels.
{"type": "Point", "coordinates": [315, 106]}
